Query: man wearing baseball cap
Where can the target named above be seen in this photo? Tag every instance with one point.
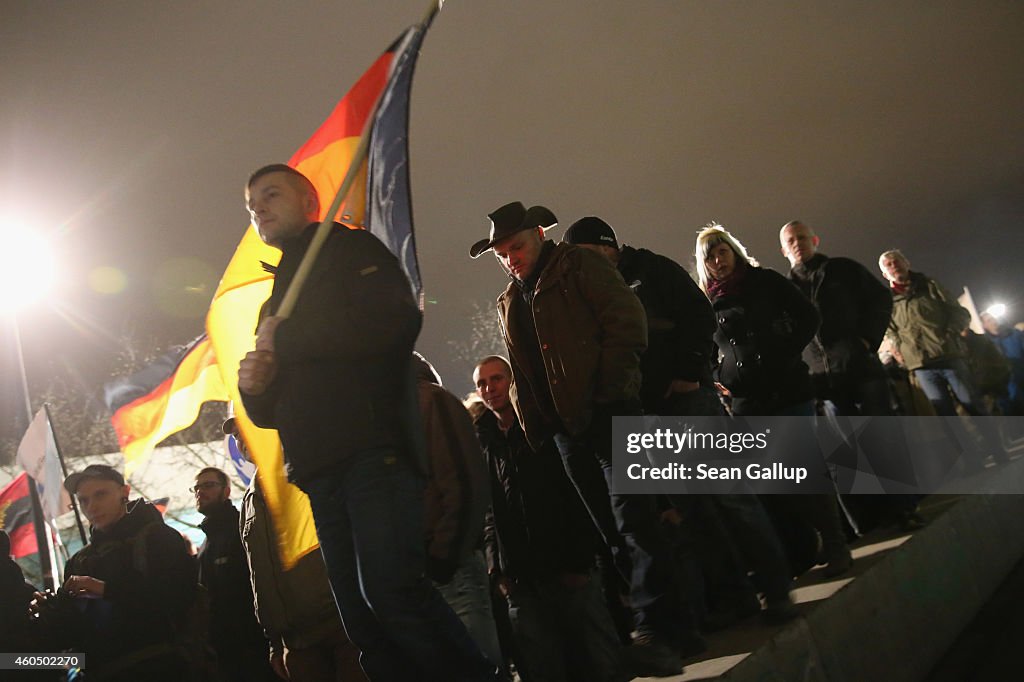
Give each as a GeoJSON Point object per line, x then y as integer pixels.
{"type": "Point", "coordinates": [128, 590]}
{"type": "Point", "coordinates": [676, 366]}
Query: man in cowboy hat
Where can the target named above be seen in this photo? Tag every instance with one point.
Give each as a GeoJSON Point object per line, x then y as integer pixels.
{"type": "Point", "coordinates": [574, 333]}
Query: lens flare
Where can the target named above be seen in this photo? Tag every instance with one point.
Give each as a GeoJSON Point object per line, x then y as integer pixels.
{"type": "Point", "coordinates": [27, 272]}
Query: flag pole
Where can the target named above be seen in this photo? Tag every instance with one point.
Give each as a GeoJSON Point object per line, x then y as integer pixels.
{"type": "Point", "coordinates": [43, 540]}
{"type": "Point", "coordinates": [324, 228]}
{"type": "Point", "coordinates": [64, 469]}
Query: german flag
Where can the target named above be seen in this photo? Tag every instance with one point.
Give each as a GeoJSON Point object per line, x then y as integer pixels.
{"type": "Point", "coordinates": [381, 205]}
{"type": "Point", "coordinates": [16, 517]}
{"type": "Point", "coordinates": [163, 398]}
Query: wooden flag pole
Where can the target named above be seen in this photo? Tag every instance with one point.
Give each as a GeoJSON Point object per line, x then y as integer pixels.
{"type": "Point", "coordinates": [324, 228]}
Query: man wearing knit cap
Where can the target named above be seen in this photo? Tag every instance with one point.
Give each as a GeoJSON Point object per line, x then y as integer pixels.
{"type": "Point", "coordinates": [676, 366]}
{"type": "Point", "coordinates": [677, 382]}
{"type": "Point", "coordinates": [574, 333]}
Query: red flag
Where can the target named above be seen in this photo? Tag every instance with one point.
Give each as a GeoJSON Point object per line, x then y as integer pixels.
{"type": "Point", "coordinates": [16, 517]}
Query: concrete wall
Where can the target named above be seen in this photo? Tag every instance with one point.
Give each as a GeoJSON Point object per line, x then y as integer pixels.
{"type": "Point", "coordinates": [894, 622]}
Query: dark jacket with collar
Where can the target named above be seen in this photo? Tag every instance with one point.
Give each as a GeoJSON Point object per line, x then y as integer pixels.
{"type": "Point", "coordinates": [590, 330]}
{"type": "Point", "coordinates": [537, 527]}
{"type": "Point", "coordinates": [762, 332]}
{"type": "Point", "coordinates": [150, 584]}
{"type": "Point", "coordinates": [224, 572]}
{"type": "Point", "coordinates": [344, 382]}
{"type": "Point", "coordinates": [855, 308]}
{"type": "Point", "coordinates": [680, 323]}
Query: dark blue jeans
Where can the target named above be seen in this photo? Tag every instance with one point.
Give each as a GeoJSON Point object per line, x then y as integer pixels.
{"type": "Point", "coordinates": [937, 384]}
{"type": "Point", "coordinates": [370, 523]}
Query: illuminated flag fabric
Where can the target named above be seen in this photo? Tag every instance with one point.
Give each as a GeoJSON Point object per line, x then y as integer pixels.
{"type": "Point", "coordinates": [152, 404]}
{"type": "Point", "coordinates": [246, 284]}
{"type": "Point", "coordinates": [37, 455]}
{"type": "Point", "coordinates": [16, 517]}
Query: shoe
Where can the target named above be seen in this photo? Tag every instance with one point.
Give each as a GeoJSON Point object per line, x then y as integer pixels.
{"type": "Point", "coordinates": [838, 564]}
{"type": "Point", "coordinates": [649, 657]}
{"type": "Point", "coordinates": [780, 611]}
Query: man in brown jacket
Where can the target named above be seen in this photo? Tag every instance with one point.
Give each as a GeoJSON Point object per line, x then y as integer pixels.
{"type": "Point", "coordinates": [455, 502]}
{"type": "Point", "coordinates": [574, 333]}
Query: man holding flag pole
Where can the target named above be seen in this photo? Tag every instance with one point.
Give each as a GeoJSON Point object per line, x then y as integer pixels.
{"type": "Point", "coordinates": [335, 379]}
{"type": "Point", "coordinates": [331, 372]}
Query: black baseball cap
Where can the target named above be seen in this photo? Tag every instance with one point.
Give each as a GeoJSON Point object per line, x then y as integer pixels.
{"type": "Point", "coordinates": [100, 472]}
{"type": "Point", "coordinates": [591, 230]}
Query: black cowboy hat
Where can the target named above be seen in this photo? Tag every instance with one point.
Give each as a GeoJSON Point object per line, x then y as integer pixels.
{"type": "Point", "coordinates": [510, 219]}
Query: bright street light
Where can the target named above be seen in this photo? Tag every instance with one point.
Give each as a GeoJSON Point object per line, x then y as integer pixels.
{"type": "Point", "coordinates": [27, 271]}
{"type": "Point", "coordinates": [996, 310]}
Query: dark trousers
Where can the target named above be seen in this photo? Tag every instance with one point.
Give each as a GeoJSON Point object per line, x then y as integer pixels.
{"type": "Point", "coordinates": [333, 660]}
{"type": "Point", "coordinates": [565, 634]}
{"type": "Point", "coordinates": [370, 523]}
{"type": "Point", "coordinates": [630, 527]}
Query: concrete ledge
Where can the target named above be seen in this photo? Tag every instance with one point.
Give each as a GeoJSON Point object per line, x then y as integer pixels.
{"type": "Point", "coordinates": [895, 621]}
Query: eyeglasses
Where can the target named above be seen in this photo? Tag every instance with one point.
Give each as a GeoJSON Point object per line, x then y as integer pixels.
{"type": "Point", "coordinates": [208, 485]}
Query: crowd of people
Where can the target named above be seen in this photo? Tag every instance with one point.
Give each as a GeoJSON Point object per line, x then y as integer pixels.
{"type": "Point", "coordinates": [465, 542]}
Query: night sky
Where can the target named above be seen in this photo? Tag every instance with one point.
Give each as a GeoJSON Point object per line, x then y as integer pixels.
{"type": "Point", "coordinates": [127, 130]}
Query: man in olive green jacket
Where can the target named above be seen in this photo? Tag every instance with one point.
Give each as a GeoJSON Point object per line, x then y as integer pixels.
{"type": "Point", "coordinates": [574, 332]}
{"type": "Point", "coordinates": [925, 331]}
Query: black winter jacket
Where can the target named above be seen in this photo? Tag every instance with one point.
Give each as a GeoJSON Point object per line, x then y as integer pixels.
{"type": "Point", "coordinates": [537, 527]}
{"type": "Point", "coordinates": [224, 571]}
{"type": "Point", "coordinates": [344, 383]}
{"type": "Point", "coordinates": [680, 323]}
{"type": "Point", "coordinates": [855, 308]}
{"type": "Point", "coordinates": [150, 585]}
{"type": "Point", "coordinates": [762, 332]}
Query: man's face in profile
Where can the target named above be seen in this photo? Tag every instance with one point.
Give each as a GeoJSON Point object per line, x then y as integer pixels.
{"type": "Point", "coordinates": [280, 207]}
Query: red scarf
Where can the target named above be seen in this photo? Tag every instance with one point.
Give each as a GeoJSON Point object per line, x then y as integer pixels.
{"type": "Point", "coordinates": [718, 288]}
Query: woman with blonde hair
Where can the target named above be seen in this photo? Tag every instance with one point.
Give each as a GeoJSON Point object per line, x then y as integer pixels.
{"type": "Point", "coordinates": [764, 324]}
